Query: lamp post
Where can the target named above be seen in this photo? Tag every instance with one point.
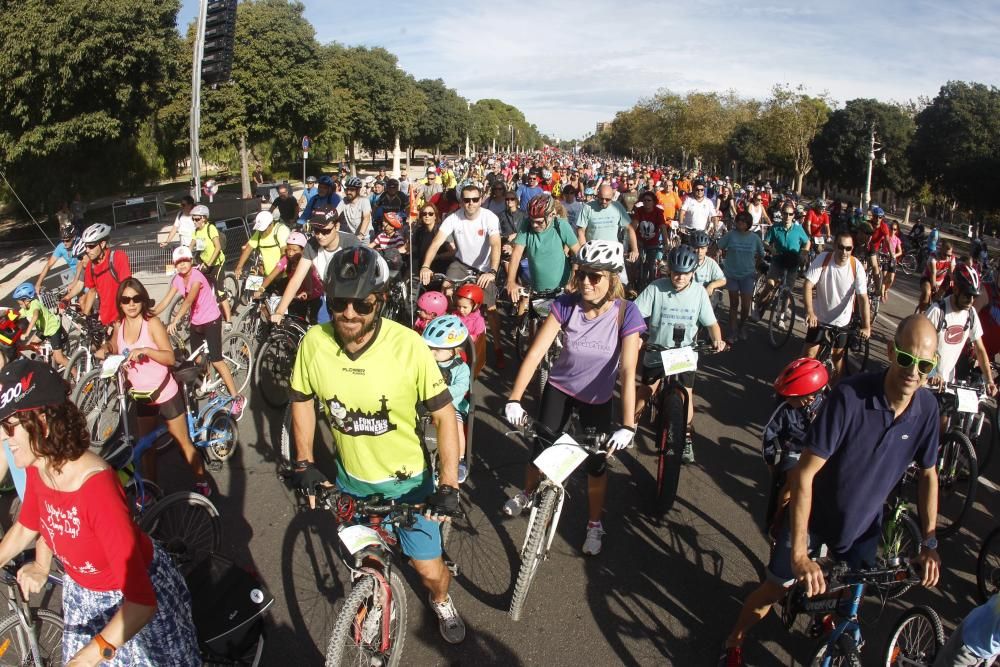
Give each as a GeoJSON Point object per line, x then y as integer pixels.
{"type": "Point", "coordinates": [875, 146]}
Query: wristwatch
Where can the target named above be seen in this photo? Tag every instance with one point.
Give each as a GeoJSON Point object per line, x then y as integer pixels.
{"type": "Point", "coordinates": [930, 543]}
{"type": "Point", "coordinates": [108, 649]}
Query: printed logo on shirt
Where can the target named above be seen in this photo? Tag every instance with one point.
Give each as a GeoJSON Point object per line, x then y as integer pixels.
{"type": "Point", "coordinates": [62, 522]}
{"type": "Point", "coordinates": [954, 334]}
{"type": "Point", "coordinates": [355, 422]}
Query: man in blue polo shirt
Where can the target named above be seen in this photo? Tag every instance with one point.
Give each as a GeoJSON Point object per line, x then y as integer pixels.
{"type": "Point", "coordinates": [867, 432]}
{"type": "Point", "coordinates": [788, 242]}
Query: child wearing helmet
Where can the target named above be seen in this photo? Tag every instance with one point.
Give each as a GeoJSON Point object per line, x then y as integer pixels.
{"type": "Point", "coordinates": [308, 299]}
{"type": "Point", "coordinates": [431, 304]}
{"type": "Point", "coordinates": [35, 312]}
{"type": "Point", "coordinates": [391, 235]}
{"type": "Point", "coordinates": [468, 299]}
{"type": "Point", "coordinates": [800, 385]}
{"type": "Point", "coordinates": [444, 336]}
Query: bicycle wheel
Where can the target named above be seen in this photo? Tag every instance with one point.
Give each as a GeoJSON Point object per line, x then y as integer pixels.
{"type": "Point", "coordinates": [285, 441]}
{"type": "Point", "coordinates": [527, 325]}
{"type": "Point", "coordinates": [184, 324]}
{"type": "Point", "coordinates": [671, 431]}
{"type": "Point", "coordinates": [843, 653]}
{"type": "Point", "coordinates": [986, 442]}
{"type": "Point", "coordinates": [357, 633]}
{"type": "Point", "coordinates": [958, 474]}
{"type": "Point", "coordinates": [273, 370]}
{"type": "Point", "coordinates": [231, 286]}
{"type": "Point", "coordinates": [908, 263]}
{"type": "Point", "coordinates": [781, 321]}
{"type": "Point", "coordinates": [238, 353]}
{"type": "Point", "coordinates": [916, 638]}
{"type": "Point", "coordinates": [97, 399]}
{"type": "Point", "coordinates": [988, 566]}
{"type": "Point", "coordinates": [900, 543]}
{"type": "Point", "coordinates": [224, 434]}
{"type": "Point", "coordinates": [187, 524]}
{"type": "Point", "coordinates": [79, 365]}
{"type": "Point", "coordinates": [534, 549]}
{"type": "Point", "coordinates": [14, 644]}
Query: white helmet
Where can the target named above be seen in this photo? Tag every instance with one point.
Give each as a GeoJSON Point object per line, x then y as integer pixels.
{"type": "Point", "coordinates": [79, 248]}
{"type": "Point", "coordinates": [200, 209]}
{"type": "Point", "coordinates": [601, 255]}
{"type": "Point", "coordinates": [95, 233]}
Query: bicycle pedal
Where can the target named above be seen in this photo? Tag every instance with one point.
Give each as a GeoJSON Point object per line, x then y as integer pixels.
{"type": "Point", "coordinates": [452, 567]}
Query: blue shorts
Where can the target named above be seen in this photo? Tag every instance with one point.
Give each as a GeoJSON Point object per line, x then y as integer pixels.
{"type": "Point", "coordinates": [860, 554]}
{"type": "Point", "coordinates": [422, 540]}
{"type": "Point", "coordinates": [743, 285]}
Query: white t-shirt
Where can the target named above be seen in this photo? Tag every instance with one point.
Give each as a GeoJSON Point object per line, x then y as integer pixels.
{"type": "Point", "coordinates": [952, 336]}
{"type": "Point", "coordinates": [353, 213]}
{"type": "Point", "coordinates": [836, 287]}
{"type": "Point", "coordinates": [472, 237]}
{"type": "Point", "coordinates": [696, 214]}
{"type": "Point", "coordinates": [185, 228]}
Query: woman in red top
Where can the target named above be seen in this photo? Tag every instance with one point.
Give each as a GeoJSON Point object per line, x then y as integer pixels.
{"type": "Point", "coordinates": [124, 602]}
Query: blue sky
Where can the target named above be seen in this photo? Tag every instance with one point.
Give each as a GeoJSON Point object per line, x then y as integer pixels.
{"type": "Point", "coordinates": [566, 70]}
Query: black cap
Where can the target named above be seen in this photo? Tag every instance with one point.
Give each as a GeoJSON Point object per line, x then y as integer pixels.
{"type": "Point", "coordinates": [26, 385]}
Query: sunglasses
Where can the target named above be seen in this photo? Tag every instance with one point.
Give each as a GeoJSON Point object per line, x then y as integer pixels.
{"type": "Point", "coordinates": [470, 200]}
{"type": "Point", "coordinates": [361, 307]}
{"type": "Point", "coordinates": [905, 360]}
{"type": "Point", "coordinates": [590, 277]}
{"type": "Point", "coordinates": [845, 248]}
{"type": "Point", "coordinates": [322, 231]}
{"type": "Point", "coordinates": [197, 217]}
{"type": "Point", "coordinates": [427, 214]}
{"type": "Point", "coordinates": [126, 300]}
{"type": "Point", "coordinates": [9, 425]}
{"type": "Point", "coordinates": [699, 189]}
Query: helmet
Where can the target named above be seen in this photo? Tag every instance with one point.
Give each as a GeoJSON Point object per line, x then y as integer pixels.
{"type": "Point", "coordinates": [79, 248]}
{"type": "Point", "coordinates": [354, 273]}
{"type": "Point", "coordinates": [182, 253]}
{"type": "Point", "coordinates": [200, 209]}
{"type": "Point", "coordinates": [311, 180]}
{"type": "Point", "coordinates": [777, 217]}
{"type": "Point", "coordinates": [601, 255]}
{"type": "Point", "coordinates": [326, 180]}
{"type": "Point", "coordinates": [802, 377]}
{"type": "Point", "coordinates": [96, 232]}
{"type": "Point", "coordinates": [473, 293]}
{"type": "Point", "coordinates": [369, 179]}
{"type": "Point", "coordinates": [879, 213]}
{"type": "Point", "coordinates": [433, 302]}
{"type": "Point", "coordinates": [67, 231]}
{"type": "Point", "coordinates": [541, 206]}
{"type": "Point", "coordinates": [966, 280]}
{"type": "Point", "coordinates": [353, 182]}
{"type": "Point", "coordinates": [393, 219]}
{"type": "Point", "coordinates": [546, 174]}
{"type": "Point", "coordinates": [699, 239]}
{"type": "Point", "coordinates": [445, 332]}
{"type": "Point", "coordinates": [682, 259]}
{"type": "Point", "coordinates": [24, 291]}
{"type": "Point", "coordinates": [297, 238]}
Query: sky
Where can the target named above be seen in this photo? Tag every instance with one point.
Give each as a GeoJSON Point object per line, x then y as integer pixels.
{"type": "Point", "coordinates": [567, 66]}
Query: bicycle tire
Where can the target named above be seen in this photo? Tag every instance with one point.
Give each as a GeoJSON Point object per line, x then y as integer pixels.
{"type": "Point", "coordinates": [231, 286]}
{"type": "Point", "coordinates": [988, 566]}
{"type": "Point", "coordinates": [781, 322]}
{"type": "Point", "coordinates": [273, 368]}
{"type": "Point", "coordinates": [48, 627]}
{"type": "Point", "coordinates": [916, 638]}
{"type": "Point", "coordinates": [957, 481]}
{"type": "Point", "coordinates": [902, 546]}
{"type": "Point", "coordinates": [908, 263]}
{"type": "Point", "coordinates": [671, 431]}
{"type": "Point", "coordinates": [97, 399]}
{"type": "Point", "coordinates": [183, 329]}
{"type": "Point", "coordinates": [285, 441]}
{"type": "Point", "coordinates": [358, 607]}
{"type": "Point", "coordinates": [534, 550]}
{"type": "Point", "coordinates": [986, 445]}
{"type": "Point", "coordinates": [77, 367]}
{"type": "Point", "coordinates": [222, 426]}
{"type": "Point", "coordinates": [188, 526]}
{"type": "Point", "coordinates": [844, 653]}
{"type": "Point", "coordinates": [527, 325]}
{"type": "Point", "coordinates": [237, 351]}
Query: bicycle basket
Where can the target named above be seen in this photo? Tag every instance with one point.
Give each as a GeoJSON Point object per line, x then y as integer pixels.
{"type": "Point", "coordinates": [187, 372]}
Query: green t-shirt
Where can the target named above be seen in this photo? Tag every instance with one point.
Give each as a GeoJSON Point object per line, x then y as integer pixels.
{"type": "Point", "coordinates": [742, 250]}
{"type": "Point", "coordinates": [205, 245]}
{"type": "Point", "coordinates": [708, 272]}
{"type": "Point", "coordinates": [665, 308]}
{"type": "Point", "coordinates": [545, 253]}
{"type": "Point", "coordinates": [48, 322]}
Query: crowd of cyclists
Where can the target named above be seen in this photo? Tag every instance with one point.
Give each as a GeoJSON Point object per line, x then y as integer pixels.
{"type": "Point", "coordinates": [633, 259]}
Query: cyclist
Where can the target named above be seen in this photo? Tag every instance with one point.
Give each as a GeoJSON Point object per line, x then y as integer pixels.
{"type": "Point", "coordinates": [890, 253]}
{"type": "Point", "coordinates": [269, 237]}
{"type": "Point", "coordinates": [669, 304]}
{"type": "Point", "coordinates": [602, 341]}
{"type": "Point", "coordinates": [707, 273]}
{"type": "Point", "coordinates": [839, 278]}
{"type": "Point", "coordinates": [761, 221]}
{"type": "Point", "coordinates": [444, 335]}
{"type": "Point", "coordinates": [325, 199]}
{"type": "Point", "coordinates": [105, 269]}
{"type": "Point", "coordinates": [183, 226]}
{"type": "Point", "coordinates": [818, 222]}
{"type": "Point", "coordinates": [933, 237]}
{"type": "Point", "coordinates": [698, 212]}
{"type": "Point", "coordinates": [308, 299]}
{"type": "Point", "coordinates": [207, 242]}
{"type": "Point", "coordinates": [286, 205]}
{"type": "Point", "coordinates": [49, 326]}
{"type": "Point", "coordinates": [206, 318]}
{"type": "Point", "coordinates": [743, 249]}
{"type": "Point", "coordinates": [543, 239]}
{"type": "Point", "coordinates": [344, 365]}
{"type": "Point", "coordinates": [788, 242]}
{"type": "Point", "coordinates": [868, 432]}
{"type": "Point", "coordinates": [63, 251]}
{"type": "Point", "coordinates": [356, 211]}
{"type": "Point", "coordinates": [937, 276]}
{"type": "Point", "coordinates": [652, 234]}
{"type": "Point", "coordinates": [604, 219]}
{"type": "Point", "coordinates": [527, 192]}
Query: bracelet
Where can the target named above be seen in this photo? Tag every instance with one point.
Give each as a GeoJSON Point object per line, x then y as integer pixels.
{"type": "Point", "coordinates": [425, 267]}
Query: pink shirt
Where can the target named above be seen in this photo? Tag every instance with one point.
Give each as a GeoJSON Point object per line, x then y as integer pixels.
{"type": "Point", "coordinates": [312, 285]}
{"type": "Point", "coordinates": [205, 308]}
{"type": "Point", "coordinates": [146, 375]}
{"type": "Point", "coordinates": [475, 323]}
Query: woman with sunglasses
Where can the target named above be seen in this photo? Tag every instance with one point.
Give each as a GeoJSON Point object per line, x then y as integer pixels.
{"type": "Point", "coordinates": [424, 231]}
{"type": "Point", "coordinates": [124, 602]}
{"type": "Point", "coordinates": [602, 343]}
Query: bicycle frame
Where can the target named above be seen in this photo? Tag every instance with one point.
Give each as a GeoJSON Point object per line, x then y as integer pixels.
{"type": "Point", "coordinates": [18, 604]}
{"type": "Point", "coordinates": [844, 605]}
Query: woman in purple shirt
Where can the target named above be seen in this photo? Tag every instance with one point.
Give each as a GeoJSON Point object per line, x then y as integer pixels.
{"type": "Point", "coordinates": [602, 340]}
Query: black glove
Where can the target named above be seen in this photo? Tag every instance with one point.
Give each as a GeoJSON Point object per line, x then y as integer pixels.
{"type": "Point", "coordinates": [307, 477]}
{"type": "Point", "coordinates": [444, 501]}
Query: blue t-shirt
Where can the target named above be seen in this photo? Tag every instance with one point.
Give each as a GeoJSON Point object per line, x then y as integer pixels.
{"type": "Point", "coordinates": [524, 195]}
{"type": "Point", "coordinates": [932, 240]}
{"type": "Point", "coordinates": [787, 240]}
{"type": "Point", "coordinates": [785, 432]}
{"type": "Point", "coordinates": [742, 249]}
{"type": "Point", "coordinates": [981, 629]}
{"type": "Point", "coordinates": [866, 454]}
{"type": "Point", "coordinates": [666, 309]}
{"type": "Point", "coordinates": [66, 254]}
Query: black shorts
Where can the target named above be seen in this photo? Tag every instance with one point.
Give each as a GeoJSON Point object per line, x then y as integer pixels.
{"type": "Point", "coordinates": [214, 275]}
{"type": "Point", "coordinates": [836, 335]}
{"type": "Point", "coordinates": [210, 332]}
{"type": "Point", "coordinates": [168, 409]}
{"type": "Point", "coordinates": [554, 412]}
{"type": "Point", "coordinates": [57, 340]}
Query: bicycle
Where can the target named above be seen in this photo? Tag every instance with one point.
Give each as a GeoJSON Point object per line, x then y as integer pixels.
{"type": "Point", "coordinates": [781, 322]}
{"type": "Point", "coordinates": [91, 337]}
{"type": "Point", "coordinates": [537, 310]}
{"type": "Point", "coordinates": [28, 636]}
{"type": "Point", "coordinates": [916, 638]}
{"type": "Point", "coordinates": [988, 566]}
{"type": "Point", "coordinates": [957, 466]}
{"type": "Point", "coordinates": [855, 344]}
{"type": "Point", "coordinates": [276, 359]}
{"type": "Point", "coordinates": [562, 455]}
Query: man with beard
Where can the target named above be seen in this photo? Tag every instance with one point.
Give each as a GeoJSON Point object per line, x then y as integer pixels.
{"type": "Point", "coordinates": [344, 365]}
{"type": "Point", "coordinates": [356, 213]}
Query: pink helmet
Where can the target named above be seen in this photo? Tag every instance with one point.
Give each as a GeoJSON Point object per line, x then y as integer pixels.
{"type": "Point", "coordinates": [435, 303]}
{"type": "Point", "coordinates": [297, 238]}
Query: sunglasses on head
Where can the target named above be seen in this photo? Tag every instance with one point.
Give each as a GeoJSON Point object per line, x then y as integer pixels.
{"type": "Point", "coordinates": [590, 276]}
{"type": "Point", "coordinates": [905, 360]}
{"type": "Point", "coordinates": [361, 306]}
{"type": "Point", "coordinates": [126, 300]}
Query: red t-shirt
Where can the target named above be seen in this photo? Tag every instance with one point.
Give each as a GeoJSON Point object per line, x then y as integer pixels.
{"type": "Point", "coordinates": [815, 221]}
{"type": "Point", "coordinates": [648, 224]}
{"type": "Point", "coordinates": [881, 231]}
{"type": "Point", "coordinates": [765, 199]}
{"type": "Point", "coordinates": [91, 532]}
{"type": "Point", "coordinates": [99, 276]}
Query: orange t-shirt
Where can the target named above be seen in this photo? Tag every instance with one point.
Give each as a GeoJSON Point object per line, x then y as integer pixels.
{"type": "Point", "coordinates": [670, 202]}
{"type": "Point", "coordinates": [684, 185]}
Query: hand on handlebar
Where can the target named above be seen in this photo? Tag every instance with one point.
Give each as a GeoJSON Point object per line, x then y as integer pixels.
{"type": "Point", "coordinates": [620, 439]}
{"type": "Point", "coordinates": [32, 578]}
{"type": "Point", "coordinates": [442, 504]}
{"type": "Point", "coordinates": [308, 478]}
{"type": "Point", "coordinates": [171, 328]}
{"type": "Point", "coordinates": [810, 575]}
{"type": "Point", "coordinates": [865, 333]}
{"type": "Point", "coordinates": [276, 317]}
{"type": "Point", "coordinates": [930, 562]}
{"type": "Point", "coordinates": [811, 320]}
{"type": "Point", "coordinates": [485, 279]}
{"type": "Point", "coordinates": [515, 414]}
{"type": "Point", "coordinates": [720, 345]}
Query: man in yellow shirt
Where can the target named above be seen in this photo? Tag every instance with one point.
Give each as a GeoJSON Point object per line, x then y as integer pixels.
{"type": "Point", "coordinates": [207, 244]}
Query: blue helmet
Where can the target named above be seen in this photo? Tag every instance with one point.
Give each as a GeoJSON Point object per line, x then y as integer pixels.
{"type": "Point", "coordinates": [445, 332]}
{"type": "Point", "coordinates": [326, 180]}
{"type": "Point", "coordinates": [682, 259]}
{"type": "Point", "coordinates": [24, 291]}
{"type": "Point", "coordinates": [879, 213]}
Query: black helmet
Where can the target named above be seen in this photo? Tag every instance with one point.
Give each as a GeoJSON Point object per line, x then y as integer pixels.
{"type": "Point", "coordinates": [682, 259]}
{"type": "Point", "coordinates": [354, 273]}
{"type": "Point", "coordinates": [699, 239]}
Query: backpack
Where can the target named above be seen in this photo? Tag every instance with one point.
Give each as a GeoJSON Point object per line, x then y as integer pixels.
{"type": "Point", "coordinates": [942, 324]}
{"type": "Point", "coordinates": [111, 268]}
{"type": "Point", "coordinates": [829, 258]}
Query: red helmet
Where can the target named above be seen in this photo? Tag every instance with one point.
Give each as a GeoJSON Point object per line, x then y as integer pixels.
{"type": "Point", "coordinates": [802, 377]}
{"type": "Point", "coordinates": [541, 207]}
{"type": "Point", "coordinates": [473, 293]}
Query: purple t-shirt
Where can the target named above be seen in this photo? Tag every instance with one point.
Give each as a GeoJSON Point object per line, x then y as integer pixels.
{"type": "Point", "coordinates": [205, 308]}
{"type": "Point", "coordinates": [587, 369]}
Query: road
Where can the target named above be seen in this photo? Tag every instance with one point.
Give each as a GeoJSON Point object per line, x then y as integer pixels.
{"type": "Point", "coordinates": [658, 594]}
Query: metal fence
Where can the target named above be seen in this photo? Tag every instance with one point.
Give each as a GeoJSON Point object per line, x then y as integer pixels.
{"type": "Point", "coordinates": [138, 209]}
{"type": "Point", "coordinates": [153, 264]}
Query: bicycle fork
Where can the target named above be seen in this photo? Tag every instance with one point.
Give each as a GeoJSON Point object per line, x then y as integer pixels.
{"type": "Point", "coordinates": [534, 517]}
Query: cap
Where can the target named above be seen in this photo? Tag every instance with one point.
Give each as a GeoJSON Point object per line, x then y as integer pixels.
{"type": "Point", "coordinates": [26, 384]}
{"type": "Point", "coordinates": [181, 253]}
{"type": "Point", "coordinates": [263, 221]}
{"type": "Point", "coordinates": [200, 209]}
{"type": "Point", "coordinates": [432, 170]}
{"type": "Point", "coordinates": [323, 218]}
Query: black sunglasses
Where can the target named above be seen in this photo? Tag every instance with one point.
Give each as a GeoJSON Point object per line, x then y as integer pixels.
{"type": "Point", "coordinates": [470, 200]}
{"type": "Point", "coordinates": [9, 425]}
{"type": "Point", "coordinates": [361, 307]}
{"type": "Point", "coordinates": [126, 300]}
{"type": "Point", "coordinates": [91, 246]}
{"type": "Point", "coordinates": [590, 277]}
{"type": "Point", "coordinates": [845, 248]}
{"type": "Point", "coordinates": [322, 231]}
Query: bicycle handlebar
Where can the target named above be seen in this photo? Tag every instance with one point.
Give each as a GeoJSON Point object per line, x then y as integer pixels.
{"type": "Point", "coordinates": [591, 441]}
{"type": "Point", "coordinates": [345, 506]}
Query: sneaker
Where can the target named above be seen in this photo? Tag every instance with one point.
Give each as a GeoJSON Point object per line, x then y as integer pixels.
{"type": "Point", "coordinates": [449, 622]}
{"type": "Point", "coordinates": [238, 405]}
{"type": "Point", "coordinates": [687, 456]}
{"type": "Point", "coordinates": [463, 470]}
{"type": "Point", "coordinates": [227, 327]}
{"type": "Point", "coordinates": [732, 657]}
{"type": "Point", "coordinates": [516, 504]}
{"type": "Point", "coordinates": [592, 545]}
{"type": "Point", "coordinates": [204, 488]}
{"type": "Point", "coordinates": [754, 314]}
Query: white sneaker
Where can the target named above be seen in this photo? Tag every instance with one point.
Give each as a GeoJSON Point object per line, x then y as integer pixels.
{"type": "Point", "coordinates": [516, 504]}
{"type": "Point", "coordinates": [450, 624]}
{"type": "Point", "coordinates": [592, 545]}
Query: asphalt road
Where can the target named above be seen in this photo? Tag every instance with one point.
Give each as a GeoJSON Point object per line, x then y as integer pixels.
{"type": "Point", "coordinates": [657, 595]}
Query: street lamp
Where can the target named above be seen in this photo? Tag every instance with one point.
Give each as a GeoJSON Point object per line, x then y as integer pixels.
{"type": "Point", "coordinates": [875, 147]}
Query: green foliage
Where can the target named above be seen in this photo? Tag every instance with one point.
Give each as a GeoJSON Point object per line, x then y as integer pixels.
{"type": "Point", "coordinates": [445, 118]}
{"type": "Point", "coordinates": [791, 119]}
{"type": "Point", "coordinates": [491, 119]}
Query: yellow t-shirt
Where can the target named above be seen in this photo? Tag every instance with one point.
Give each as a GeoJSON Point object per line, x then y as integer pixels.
{"type": "Point", "coordinates": [371, 404]}
{"type": "Point", "coordinates": [270, 246]}
{"type": "Point", "coordinates": [203, 244]}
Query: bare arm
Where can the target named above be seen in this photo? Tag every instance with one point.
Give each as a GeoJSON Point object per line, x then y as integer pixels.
{"type": "Point", "coordinates": [304, 429]}
{"type": "Point", "coordinates": [447, 434]}
{"type": "Point", "coordinates": [45, 271]}
{"type": "Point", "coordinates": [800, 507]}
{"type": "Point", "coordinates": [626, 375]}
{"type": "Point", "coordinates": [244, 256]}
{"type": "Point", "coordinates": [292, 288]}
{"type": "Point", "coordinates": [165, 301]}
{"type": "Point", "coordinates": [366, 223]}
{"type": "Point", "coordinates": [186, 304]}
{"type": "Point", "coordinates": [927, 504]}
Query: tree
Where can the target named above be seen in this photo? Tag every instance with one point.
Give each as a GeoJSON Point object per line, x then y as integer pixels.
{"type": "Point", "coordinates": [791, 120]}
{"type": "Point", "coordinates": [446, 118]}
{"type": "Point", "coordinates": [747, 147]}
{"type": "Point", "coordinates": [491, 119]}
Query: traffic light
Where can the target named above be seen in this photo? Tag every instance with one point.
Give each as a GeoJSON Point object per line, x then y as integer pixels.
{"type": "Point", "coordinates": [220, 31]}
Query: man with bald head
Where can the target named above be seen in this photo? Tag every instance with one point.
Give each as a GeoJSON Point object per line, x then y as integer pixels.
{"type": "Point", "coordinates": [866, 434]}
{"type": "Point", "coordinates": [604, 219]}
